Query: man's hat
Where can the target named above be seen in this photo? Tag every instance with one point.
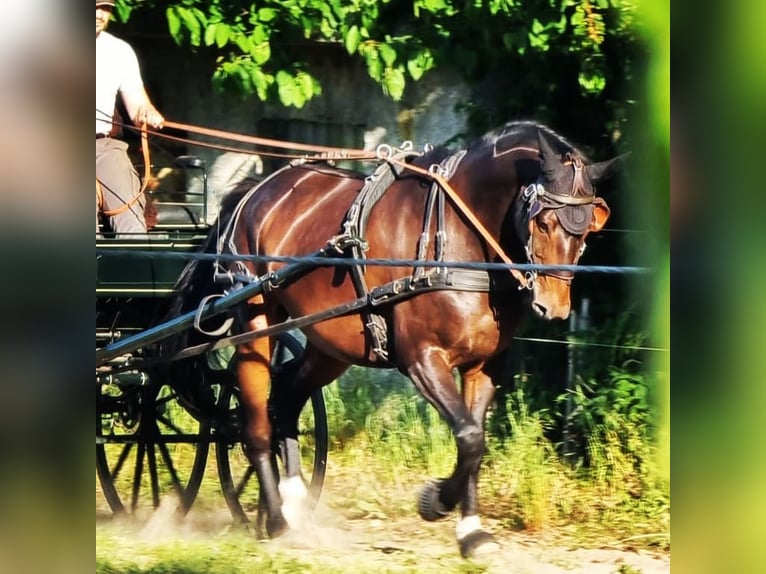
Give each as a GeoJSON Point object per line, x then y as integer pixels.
{"type": "Point", "coordinates": [104, 2]}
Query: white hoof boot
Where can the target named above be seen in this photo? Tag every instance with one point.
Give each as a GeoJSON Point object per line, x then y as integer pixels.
{"type": "Point", "coordinates": [473, 541]}
{"type": "Point", "coordinates": [294, 501]}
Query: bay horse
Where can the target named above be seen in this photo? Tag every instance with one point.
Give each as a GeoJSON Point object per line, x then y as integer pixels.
{"type": "Point", "coordinates": [532, 191]}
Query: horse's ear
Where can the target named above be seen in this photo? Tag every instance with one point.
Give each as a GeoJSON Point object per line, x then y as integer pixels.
{"type": "Point", "coordinates": [605, 169]}
{"type": "Point", "coordinates": [601, 213]}
{"type": "Point", "coordinates": [550, 159]}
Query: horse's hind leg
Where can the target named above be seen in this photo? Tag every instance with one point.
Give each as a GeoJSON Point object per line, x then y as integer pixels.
{"type": "Point", "coordinates": [253, 375]}
{"type": "Point", "coordinates": [289, 395]}
{"type": "Point", "coordinates": [433, 377]}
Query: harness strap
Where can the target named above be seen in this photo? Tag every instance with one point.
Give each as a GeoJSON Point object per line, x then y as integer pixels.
{"type": "Point", "coordinates": [456, 279]}
{"type": "Point", "coordinates": [354, 226]}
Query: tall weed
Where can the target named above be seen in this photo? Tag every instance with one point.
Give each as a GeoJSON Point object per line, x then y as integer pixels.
{"type": "Point", "coordinates": [523, 474]}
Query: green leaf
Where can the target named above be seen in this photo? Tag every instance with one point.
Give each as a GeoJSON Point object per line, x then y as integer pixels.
{"type": "Point", "coordinates": [286, 88]}
{"type": "Point", "coordinates": [200, 16]}
{"type": "Point", "coordinates": [174, 24]}
{"type": "Point", "coordinates": [393, 83]}
{"type": "Point", "coordinates": [192, 24]}
{"type": "Point", "coordinates": [591, 83]}
{"type": "Point", "coordinates": [259, 34]}
{"type": "Point", "coordinates": [374, 66]}
{"type": "Point", "coordinates": [266, 14]}
{"type": "Point", "coordinates": [244, 79]}
{"type": "Point", "coordinates": [261, 82]}
{"type": "Point", "coordinates": [261, 53]}
{"type": "Point", "coordinates": [388, 54]}
{"type": "Point", "coordinates": [352, 39]}
{"type": "Point", "coordinates": [415, 68]}
{"type": "Point", "coordinates": [420, 64]}
{"type": "Point", "coordinates": [539, 41]}
{"type": "Point", "coordinates": [210, 33]}
{"type": "Point", "coordinates": [222, 35]}
{"type": "Point", "coordinates": [244, 43]}
{"type": "Point", "coordinates": [306, 84]}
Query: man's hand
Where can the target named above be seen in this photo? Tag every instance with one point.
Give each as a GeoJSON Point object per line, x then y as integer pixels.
{"type": "Point", "coordinates": [151, 116]}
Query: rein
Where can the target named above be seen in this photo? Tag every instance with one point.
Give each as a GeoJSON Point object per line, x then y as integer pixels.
{"type": "Point", "coordinates": [338, 152]}
{"type": "Point", "coordinates": [433, 172]}
{"type": "Point", "coordinates": [147, 175]}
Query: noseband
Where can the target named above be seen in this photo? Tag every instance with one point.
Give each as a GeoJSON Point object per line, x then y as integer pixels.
{"type": "Point", "coordinates": [537, 198]}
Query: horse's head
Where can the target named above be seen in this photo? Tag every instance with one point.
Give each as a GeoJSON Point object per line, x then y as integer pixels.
{"type": "Point", "coordinates": [561, 209]}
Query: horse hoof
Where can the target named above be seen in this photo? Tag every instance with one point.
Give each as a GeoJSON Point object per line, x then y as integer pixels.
{"type": "Point", "coordinates": [276, 526]}
{"type": "Point", "coordinates": [429, 506]}
{"type": "Point", "coordinates": [477, 544]}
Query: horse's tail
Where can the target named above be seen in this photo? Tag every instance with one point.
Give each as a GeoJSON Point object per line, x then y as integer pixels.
{"type": "Point", "coordinates": [196, 280]}
{"type": "Point", "coordinates": [194, 284]}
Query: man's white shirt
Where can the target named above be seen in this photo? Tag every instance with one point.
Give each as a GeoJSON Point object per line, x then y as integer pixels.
{"type": "Point", "coordinates": [117, 70]}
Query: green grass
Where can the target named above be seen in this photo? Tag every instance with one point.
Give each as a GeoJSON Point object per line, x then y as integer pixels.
{"type": "Point", "coordinates": [400, 442]}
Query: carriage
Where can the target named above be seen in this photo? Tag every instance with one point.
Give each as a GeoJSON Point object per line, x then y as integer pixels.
{"type": "Point", "coordinates": [151, 441]}
{"type": "Point", "coordinates": [309, 271]}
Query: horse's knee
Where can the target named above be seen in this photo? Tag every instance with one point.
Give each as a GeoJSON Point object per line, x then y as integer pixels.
{"type": "Point", "coordinates": [470, 441]}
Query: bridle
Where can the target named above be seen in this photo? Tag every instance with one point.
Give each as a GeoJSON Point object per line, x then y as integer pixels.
{"type": "Point", "coordinates": [537, 198]}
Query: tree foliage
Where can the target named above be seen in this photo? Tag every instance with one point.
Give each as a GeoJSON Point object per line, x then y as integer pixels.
{"type": "Point", "coordinates": [578, 48]}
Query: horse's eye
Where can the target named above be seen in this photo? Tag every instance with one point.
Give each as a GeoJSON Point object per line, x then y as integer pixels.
{"type": "Point", "coordinates": [542, 226]}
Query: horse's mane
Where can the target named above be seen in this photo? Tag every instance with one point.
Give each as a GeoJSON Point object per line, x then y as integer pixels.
{"type": "Point", "coordinates": [521, 132]}
{"type": "Point", "coordinates": [514, 133]}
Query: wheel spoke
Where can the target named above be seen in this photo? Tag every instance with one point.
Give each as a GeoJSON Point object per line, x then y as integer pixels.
{"type": "Point", "coordinates": [121, 460]}
{"type": "Point", "coordinates": [245, 479]}
{"type": "Point", "coordinates": [172, 470]}
{"type": "Point", "coordinates": [170, 424]}
{"type": "Point", "coordinates": [152, 460]}
{"type": "Point", "coordinates": [138, 471]}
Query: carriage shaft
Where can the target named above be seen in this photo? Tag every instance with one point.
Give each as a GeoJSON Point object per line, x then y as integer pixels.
{"type": "Point", "coordinates": [211, 309]}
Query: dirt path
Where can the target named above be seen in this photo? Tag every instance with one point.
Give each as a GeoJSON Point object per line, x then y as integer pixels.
{"type": "Point", "coordinates": [405, 544]}
{"type": "Point", "coordinates": [413, 541]}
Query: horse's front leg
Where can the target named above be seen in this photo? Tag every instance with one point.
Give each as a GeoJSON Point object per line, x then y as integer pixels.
{"type": "Point", "coordinates": [433, 378]}
{"type": "Point", "coordinates": [478, 392]}
{"type": "Point", "coordinates": [253, 375]}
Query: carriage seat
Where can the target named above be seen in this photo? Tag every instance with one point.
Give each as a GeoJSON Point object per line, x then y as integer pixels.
{"type": "Point", "coordinates": [181, 210]}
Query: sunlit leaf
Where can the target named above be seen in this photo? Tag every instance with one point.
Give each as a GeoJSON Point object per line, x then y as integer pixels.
{"type": "Point", "coordinates": [352, 39]}
{"type": "Point", "coordinates": [210, 33]}
{"type": "Point", "coordinates": [261, 53]}
{"type": "Point", "coordinates": [266, 14]}
{"type": "Point", "coordinates": [222, 35]}
{"type": "Point", "coordinates": [388, 54]}
{"type": "Point", "coordinates": [393, 83]}
{"type": "Point", "coordinates": [174, 23]}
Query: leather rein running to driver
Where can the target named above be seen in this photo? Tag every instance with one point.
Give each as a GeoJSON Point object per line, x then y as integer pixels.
{"type": "Point", "coordinates": [329, 152]}
{"type": "Point", "coordinates": [147, 176]}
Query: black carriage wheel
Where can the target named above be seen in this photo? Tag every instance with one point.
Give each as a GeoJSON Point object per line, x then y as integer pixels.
{"type": "Point", "coordinates": [148, 446]}
{"type": "Point", "coordinates": [238, 480]}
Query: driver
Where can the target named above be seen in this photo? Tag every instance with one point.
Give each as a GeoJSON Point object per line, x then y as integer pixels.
{"type": "Point", "coordinates": [117, 71]}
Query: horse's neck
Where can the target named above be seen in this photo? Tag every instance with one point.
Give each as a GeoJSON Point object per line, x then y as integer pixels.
{"type": "Point", "coordinates": [494, 193]}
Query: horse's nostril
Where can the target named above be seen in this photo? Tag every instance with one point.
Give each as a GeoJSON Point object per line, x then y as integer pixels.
{"type": "Point", "coordinates": [541, 310]}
